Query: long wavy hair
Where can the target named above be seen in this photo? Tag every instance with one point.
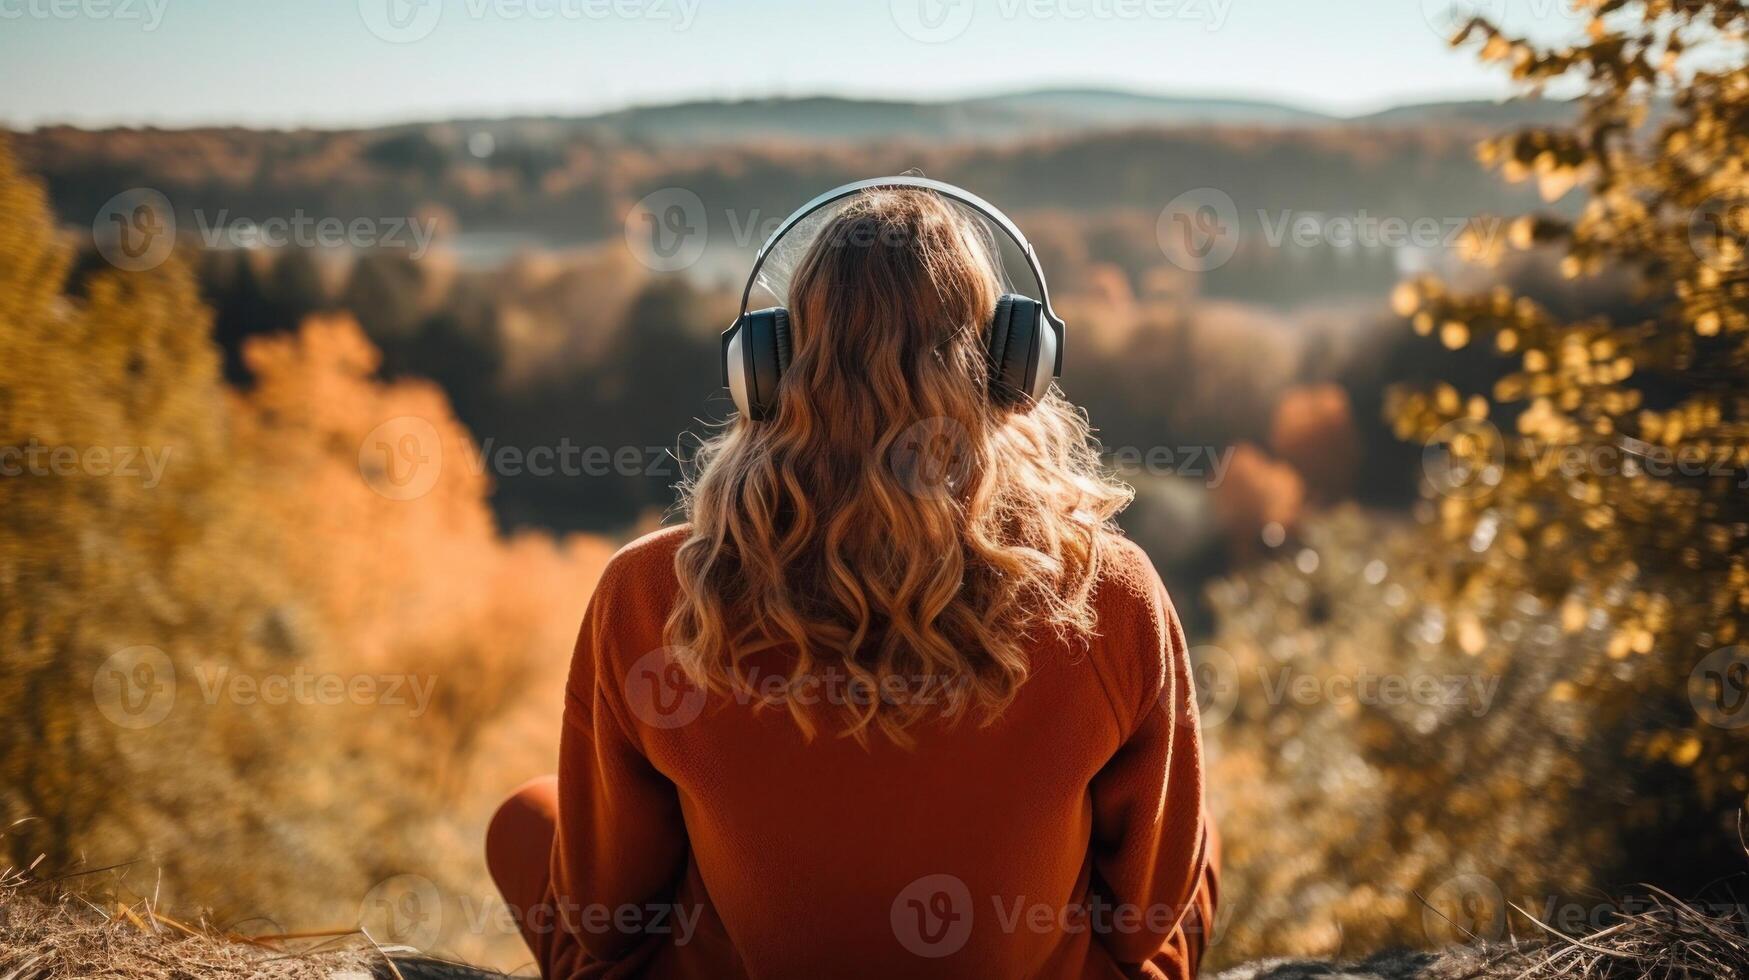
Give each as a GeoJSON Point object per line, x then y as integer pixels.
{"type": "Point", "coordinates": [892, 526]}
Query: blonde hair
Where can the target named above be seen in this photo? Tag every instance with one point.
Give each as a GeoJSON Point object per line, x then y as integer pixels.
{"type": "Point", "coordinates": [891, 521]}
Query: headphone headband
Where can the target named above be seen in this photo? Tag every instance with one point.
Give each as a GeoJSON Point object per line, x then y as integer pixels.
{"type": "Point", "coordinates": [943, 188]}
{"type": "Point", "coordinates": [1023, 338]}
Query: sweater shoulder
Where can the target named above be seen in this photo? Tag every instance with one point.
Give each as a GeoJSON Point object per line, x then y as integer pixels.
{"type": "Point", "coordinates": [1127, 579]}
{"type": "Point", "coordinates": [651, 554]}
{"type": "Point", "coordinates": [1128, 594]}
{"type": "Point", "coordinates": [638, 585]}
{"type": "Point", "coordinates": [1139, 637]}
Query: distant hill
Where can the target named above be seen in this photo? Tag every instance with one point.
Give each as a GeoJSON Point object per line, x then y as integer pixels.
{"type": "Point", "coordinates": [1519, 112]}
{"type": "Point", "coordinates": [1100, 107]}
{"type": "Point", "coordinates": [819, 118]}
{"type": "Point", "coordinates": [1011, 116]}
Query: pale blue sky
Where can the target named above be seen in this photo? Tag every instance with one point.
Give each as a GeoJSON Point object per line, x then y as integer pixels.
{"type": "Point", "coordinates": [318, 62]}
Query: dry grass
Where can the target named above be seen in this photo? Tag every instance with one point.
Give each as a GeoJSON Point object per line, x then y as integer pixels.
{"type": "Point", "coordinates": [1668, 940]}
{"type": "Point", "coordinates": [1665, 940]}
{"type": "Point", "coordinates": [49, 933]}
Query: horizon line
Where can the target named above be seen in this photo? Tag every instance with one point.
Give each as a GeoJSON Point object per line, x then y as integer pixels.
{"type": "Point", "coordinates": [973, 95]}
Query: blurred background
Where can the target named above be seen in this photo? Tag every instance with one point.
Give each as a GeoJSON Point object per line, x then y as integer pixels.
{"type": "Point", "coordinates": [341, 342]}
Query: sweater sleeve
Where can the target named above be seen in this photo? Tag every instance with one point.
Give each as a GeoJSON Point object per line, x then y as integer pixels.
{"type": "Point", "coordinates": [620, 848]}
{"type": "Point", "coordinates": [1150, 841]}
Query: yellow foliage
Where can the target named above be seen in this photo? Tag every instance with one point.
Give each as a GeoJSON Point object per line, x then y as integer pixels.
{"type": "Point", "coordinates": [1592, 563]}
{"type": "Point", "coordinates": [174, 553]}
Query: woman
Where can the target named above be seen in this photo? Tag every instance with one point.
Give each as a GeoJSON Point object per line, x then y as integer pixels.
{"type": "Point", "coordinates": [897, 700]}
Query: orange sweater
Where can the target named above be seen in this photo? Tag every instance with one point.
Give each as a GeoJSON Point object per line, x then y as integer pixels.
{"type": "Point", "coordinates": [698, 837]}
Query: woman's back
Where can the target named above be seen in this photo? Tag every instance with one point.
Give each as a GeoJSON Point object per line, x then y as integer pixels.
{"type": "Point", "coordinates": [1059, 840]}
{"type": "Point", "coordinates": [898, 700]}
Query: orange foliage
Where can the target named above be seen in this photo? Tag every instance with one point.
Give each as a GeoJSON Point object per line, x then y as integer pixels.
{"type": "Point", "coordinates": [1314, 430]}
{"type": "Point", "coordinates": [383, 496]}
{"type": "Point", "coordinates": [323, 526]}
{"type": "Point", "coordinates": [1258, 491]}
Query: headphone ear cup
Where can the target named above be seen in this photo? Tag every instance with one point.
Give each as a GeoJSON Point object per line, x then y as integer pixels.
{"type": "Point", "coordinates": [1014, 350]}
{"type": "Point", "coordinates": [756, 351]}
{"type": "Point", "coordinates": [780, 342]}
{"type": "Point", "coordinates": [996, 339]}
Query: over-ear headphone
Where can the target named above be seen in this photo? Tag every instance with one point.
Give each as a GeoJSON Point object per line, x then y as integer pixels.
{"type": "Point", "coordinates": [1024, 338]}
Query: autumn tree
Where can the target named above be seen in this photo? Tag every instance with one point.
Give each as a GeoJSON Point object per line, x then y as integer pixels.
{"type": "Point", "coordinates": [1574, 601]}
{"type": "Point", "coordinates": [124, 563]}
{"type": "Point", "coordinates": [171, 549]}
{"type": "Point", "coordinates": [1606, 476]}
